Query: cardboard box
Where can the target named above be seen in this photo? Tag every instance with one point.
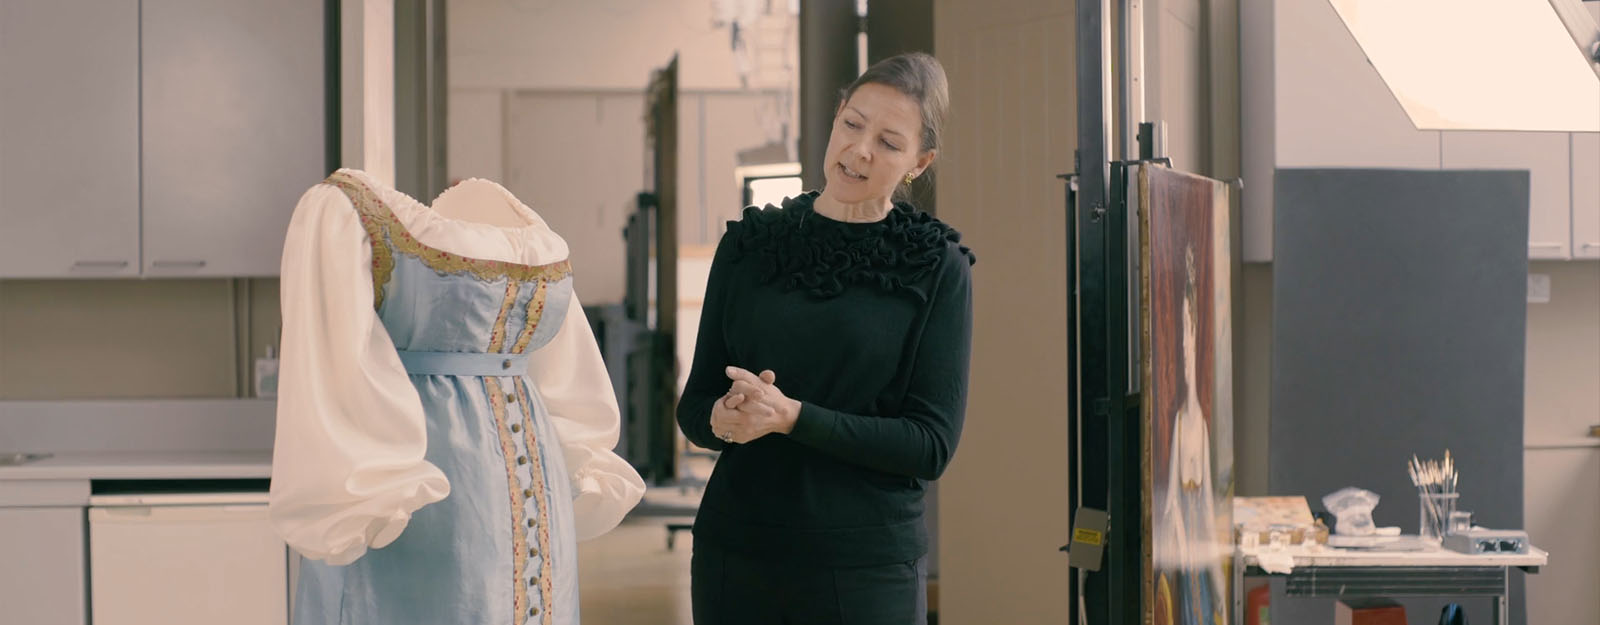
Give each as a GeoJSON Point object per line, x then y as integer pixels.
{"type": "Point", "coordinates": [1368, 612]}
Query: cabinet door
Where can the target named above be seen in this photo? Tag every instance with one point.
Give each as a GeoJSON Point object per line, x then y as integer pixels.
{"type": "Point", "coordinates": [69, 138]}
{"type": "Point", "coordinates": [1586, 195]}
{"type": "Point", "coordinates": [233, 128]}
{"type": "Point", "coordinates": [186, 565]}
{"type": "Point", "coordinates": [1545, 156]}
{"type": "Point", "coordinates": [41, 566]}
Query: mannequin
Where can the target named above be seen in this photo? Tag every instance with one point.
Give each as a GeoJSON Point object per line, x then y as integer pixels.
{"type": "Point", "coordinates": [445, 422]}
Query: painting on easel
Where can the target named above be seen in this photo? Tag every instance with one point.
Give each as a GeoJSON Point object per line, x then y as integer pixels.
{"type": "Point", "coordinates": [1187, 364]}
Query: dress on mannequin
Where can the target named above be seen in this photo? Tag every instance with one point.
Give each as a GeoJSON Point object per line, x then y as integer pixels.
{"type": "Point", "coordinates": [445, 423]}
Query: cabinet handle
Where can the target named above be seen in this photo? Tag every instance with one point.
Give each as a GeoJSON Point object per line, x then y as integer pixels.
{"type": "Point", "coordinates": [135, 511]}
{"type": "Point", "coordinates": [100, 264]}
{"type": "Point", "coordinates": [1594, 431]}
{"type": "Point", "coordinates": [1546, 246]}
{"type": "Point", "coordinates": [179, 263]}
{"type": "Point", "coordinates": [1589, 246]}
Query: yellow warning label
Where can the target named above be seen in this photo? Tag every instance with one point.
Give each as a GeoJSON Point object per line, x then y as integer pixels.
{"type": "Point", "coordinates": [1087, 536]}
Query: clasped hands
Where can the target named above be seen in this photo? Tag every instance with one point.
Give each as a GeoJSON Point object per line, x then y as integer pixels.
{"type": "Point", "coordinates": [753, 408]}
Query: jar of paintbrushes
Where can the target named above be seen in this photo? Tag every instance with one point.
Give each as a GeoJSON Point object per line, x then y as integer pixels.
{"type": "Point", "coordinates": [1436, 483]}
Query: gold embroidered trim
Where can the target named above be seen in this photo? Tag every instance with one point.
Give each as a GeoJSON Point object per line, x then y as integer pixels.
{"type": "Point", "coordinates": [535, 313]}
{"type": "Point", "coordinates": [519, 536]}
{"type": "Point", "coordinates": [380, 220]}
{"type": "Point", "coordinates": [487, 270]}
{"type": "Point", "coordinates": [542, 498]}
{"type": "Point", "coordinates": [497, 336]}
{"type": "Point", "coordinates": [366, 207]}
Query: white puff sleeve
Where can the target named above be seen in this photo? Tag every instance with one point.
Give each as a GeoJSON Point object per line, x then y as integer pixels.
{"type": "Point", "coordinates": [347, 464]}
{"type": "Point", "coordinates": [572, 380]}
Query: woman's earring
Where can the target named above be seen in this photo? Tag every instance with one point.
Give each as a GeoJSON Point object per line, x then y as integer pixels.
{"type": "Point", "coordinates": [909, 178]}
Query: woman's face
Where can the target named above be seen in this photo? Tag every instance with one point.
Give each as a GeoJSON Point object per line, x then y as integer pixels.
{"type": "Point", "coordinates": [876, 141]}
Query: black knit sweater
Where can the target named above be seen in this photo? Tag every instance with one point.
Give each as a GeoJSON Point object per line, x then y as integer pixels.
{"type": "Point", "coordinates": [869, 326]}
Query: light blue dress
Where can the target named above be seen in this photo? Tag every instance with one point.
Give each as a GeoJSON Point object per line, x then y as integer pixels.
{"type": "Point", "coordinates": [498, 546]}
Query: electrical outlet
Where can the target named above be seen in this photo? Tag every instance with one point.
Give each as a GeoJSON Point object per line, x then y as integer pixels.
{"type": "Point", "coordinates": [1538, 288]}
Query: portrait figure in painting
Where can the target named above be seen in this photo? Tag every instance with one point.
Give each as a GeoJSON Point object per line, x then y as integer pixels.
{"type": "Point", "coordinates": [1186, 548]}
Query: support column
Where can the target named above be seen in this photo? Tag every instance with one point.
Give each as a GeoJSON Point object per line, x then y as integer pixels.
{"type": "Point", "coordinates": [367, 92]}
{"type": "Point", "coordinates": [828, 63]}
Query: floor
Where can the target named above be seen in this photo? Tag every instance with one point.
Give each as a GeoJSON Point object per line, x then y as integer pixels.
{"type": "Point", "coordinates": [628, 577]}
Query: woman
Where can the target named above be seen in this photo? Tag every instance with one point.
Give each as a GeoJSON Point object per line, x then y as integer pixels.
{"type": "Point", "coordinates": [856, 309]}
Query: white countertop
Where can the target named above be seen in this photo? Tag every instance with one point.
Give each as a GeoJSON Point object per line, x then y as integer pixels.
{"type": "Point", "coordinates": [1432, 557]}
{"type": "Point", "coordinates": [155, 465]}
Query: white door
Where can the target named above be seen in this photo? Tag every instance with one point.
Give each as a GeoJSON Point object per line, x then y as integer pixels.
{"type": "Point", "coordinates": [185, 560]}
{"type": "Point", "coordinates": [1561, 504]}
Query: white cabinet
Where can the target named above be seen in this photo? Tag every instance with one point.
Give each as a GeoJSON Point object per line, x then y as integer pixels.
{"type": "Point", "coordinates": [1586, 195]}
{"type": "Point", "coordinates": [233, 131]}
{"type": "Point", "coordinates": [162, 138]}
{"type": "Point", "coordinates": [41, 565]}
{"type": "Point", "coordinates": [186, 560]}
{"type": "Point", "coordinates": [1545, 155]}
{"type": "Point", "coordinates": [69, 138]}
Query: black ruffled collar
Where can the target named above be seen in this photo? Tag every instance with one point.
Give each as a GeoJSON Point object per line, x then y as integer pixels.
{"type": "Point", "coordinates": [798, 249]}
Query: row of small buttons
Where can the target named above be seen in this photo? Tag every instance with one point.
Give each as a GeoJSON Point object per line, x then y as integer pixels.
{"type": "Point", "coordinates": [527, 493]}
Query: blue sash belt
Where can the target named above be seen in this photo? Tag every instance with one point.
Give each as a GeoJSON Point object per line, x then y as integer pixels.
{"type": "Point", "coordinates": [465, 364]}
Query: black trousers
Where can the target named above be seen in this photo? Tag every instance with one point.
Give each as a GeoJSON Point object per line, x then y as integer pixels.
{"type": "Point", "coordinates": [729, 588]}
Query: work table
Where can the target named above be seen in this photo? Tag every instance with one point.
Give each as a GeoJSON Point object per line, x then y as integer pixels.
{"type": "Point", "coordinates": [1432, 572]}
{"type": "Point", "coordinates": [1333, 557]}
{"type": "Point", "coordinates": [69, 479]}
{"type": "Point", "coordinates": [145, 465]}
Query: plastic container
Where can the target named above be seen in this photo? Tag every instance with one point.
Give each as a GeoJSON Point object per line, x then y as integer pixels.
{"type": "Point", "coordinates": [267, 375]}
{"type": "Point", "coordinates": [1434, 516]}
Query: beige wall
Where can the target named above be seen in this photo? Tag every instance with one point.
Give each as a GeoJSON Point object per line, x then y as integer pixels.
{"type": "Point", "coordinates": [1003, 502]}
{"type": "Point", "coordinates": [1563, 386]}
{"type": "Point", "coordinates": [123, 339]}
{"type": "Point", "coordinates": [1252, 381]}
{"type": "Point", "coordinates": [1176, 71]}
{"type": "Point", "coordinates": [578, 158]}
{"type": "Point", "coordinates": [599, 44]}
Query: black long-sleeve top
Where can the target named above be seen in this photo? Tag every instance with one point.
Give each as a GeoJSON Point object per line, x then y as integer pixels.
{"type": "Point", "coordinates": [869, 326]}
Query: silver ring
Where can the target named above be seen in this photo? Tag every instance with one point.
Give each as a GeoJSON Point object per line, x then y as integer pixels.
{"type": "Point", "coordinates": [727, 437]}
